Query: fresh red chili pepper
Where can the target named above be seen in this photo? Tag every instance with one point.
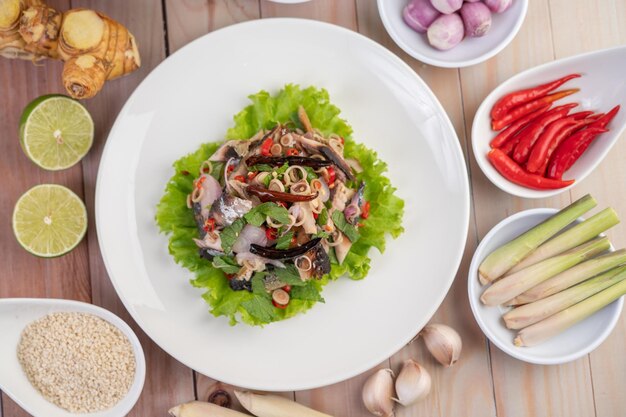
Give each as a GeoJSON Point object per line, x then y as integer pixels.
{"type": "Point", "coordinates": [292, 152]}
{"type": "Point", "coordinates": [539, 156]}
{"type": "Point", "coordinates": [230, 168]}
{"type": "Point", "coordinates": [281, 306]}
{"type": "Point", "coordinates": [517, 127]}
{"type": "Point", "coordinates": [199, 182]}
{"type": "Point", "coordinates": [230, 276]}
{"type": "Point", "coordinates": [530, 135]}
{"type": "Point", "coordinates": [559, 138]}
{"type": "Point", "coordinates": [510, 146]}
{"type": "Point", "coordinates": [510, 170]}
{"type": "Point", "coordinates": [265, 146]}
{"type": "Point", "coordinates": [209, 225]}
{"type": "Point", "coordinates": [240, 178]}
{"type": "Point", "coordinates": [205, 169]}
{"type": "Point", "coordinates": [606, 119]}
{"type": "Point", "coordinates": [524, 109]}
{"type": "Point", "coordinates": [342, 140]}
{"type": "Point", "coordinates": [332, 175]}
{"type": "Point", "coordinates": [571, 149]}
{"type": "Point", "coordinates": [251, 175]}
{"type": "Point", "coordinates": [315, 216]}
{"type": "Point", "coordinates": [287, 288]}
{"type": "Point", "coordinates": [516, 98]}
{"type": "Point", "coordinates": [365, 211]}
{"type": "Point", "coordinates": [271, 233]}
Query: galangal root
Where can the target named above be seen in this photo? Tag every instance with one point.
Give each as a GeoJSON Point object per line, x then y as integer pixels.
{"type": "Point", "coordinates": [94, 47]}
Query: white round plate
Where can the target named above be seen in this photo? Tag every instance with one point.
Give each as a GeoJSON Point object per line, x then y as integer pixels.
{"type": "Point", "coordinates": [471, 51]}
{"type": "Point", "coordinates": [190, 99]}
{"type": "Point", "coordinates": [570, 345]}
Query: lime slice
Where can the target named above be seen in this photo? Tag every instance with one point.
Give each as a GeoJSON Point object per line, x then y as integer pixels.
{"type": "Point", "coordinates": [55, 132]}
{"type": "Point", "coordinates": [49, 220]}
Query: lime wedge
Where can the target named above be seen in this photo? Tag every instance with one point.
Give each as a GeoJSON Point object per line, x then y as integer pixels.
{"type": "Point", "coordinates": [56, 132]}
{"type": "Point", "coordinates": [49, 220]}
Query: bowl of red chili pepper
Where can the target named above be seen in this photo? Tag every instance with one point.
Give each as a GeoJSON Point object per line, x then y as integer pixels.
{"type": "Point", "coordinates": [546, 129]}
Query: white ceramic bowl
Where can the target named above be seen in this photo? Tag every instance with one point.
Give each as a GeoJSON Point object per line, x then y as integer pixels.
{"type": "Point", "coordinates": [602, 87]}
{"type": "Point", "coordinates": [17, 313]}
{"type": "Point", "coordinates": [470, 51]}
{"type": "Point", "coordinates": [573, 343]}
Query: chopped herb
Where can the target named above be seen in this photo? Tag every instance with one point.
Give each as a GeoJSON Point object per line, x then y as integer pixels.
{"type": "Point", "coordinates": [230, 233]}
{"type": "Point", "coordinates": [310, 173]}
{"type": "Point", "coordinates": [258, 287]}
{"type": "Point", "coordinates": [260, 308]}
{"type": "Point", "coordinates": [322, 219]}
{"type": "Point", "coordinates": [226, 264]}
{"type": "Point", "coordinates": [283, 241]}
{"type": "Point", "coordinates": [322, 234]}
{"type": "Point", "coordinates": [262, 167]}
{"type": "Point", "coordinates": [306, 292]}
{"type": "Point", "coordinates": [350, 231]}
{"type": "Point", "coordinates": [282, 169]}
{"type": "Point", "coordinates": [257, 215]}
{"type": "Point", "coordinates": [289, 275]}
{"type": "Point", "coordinates": [266, 180]}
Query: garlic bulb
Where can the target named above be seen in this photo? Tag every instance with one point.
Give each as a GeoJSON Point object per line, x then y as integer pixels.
{"type": "Point", "coordinates": [378, 393]}
{"type": "Point", "coordinates": [413, 383]}
{"type": "Point", "coordinates": [443, 342]}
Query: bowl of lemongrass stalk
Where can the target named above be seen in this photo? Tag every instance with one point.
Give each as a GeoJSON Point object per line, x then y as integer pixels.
{"type": "Point", "coordinates": [546, 286]}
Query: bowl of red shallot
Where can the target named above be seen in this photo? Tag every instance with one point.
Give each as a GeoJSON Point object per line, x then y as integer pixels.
{"type": "Point", "coordinates": [452, 33]}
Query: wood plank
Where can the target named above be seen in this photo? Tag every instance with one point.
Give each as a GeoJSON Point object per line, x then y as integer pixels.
{"type": "Point", "coordinates": [186, 21]}
{"type": "Point", "coordinates": [520, 388]}
{"type": "Point", "coordinates": [453, 392]}
{"type": "Point", "coordinates": [167, 381]}
{"type": "Point", "coordinates": [341, 13]}
{"type": "Point", "coordinates": [24, 274]}
{"type": "Point", "coordinates": [571, 36]}
{"type": "Point", "coordinates": [190, 19]}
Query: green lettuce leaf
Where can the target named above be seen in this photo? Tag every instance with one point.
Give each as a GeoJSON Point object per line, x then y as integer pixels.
{"type": "Point", "coordinates": [177, 221]}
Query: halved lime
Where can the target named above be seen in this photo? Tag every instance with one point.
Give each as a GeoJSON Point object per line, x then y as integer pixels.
{"type": "Point", "coordinates": [49, 220]}
{"type": "Point", "coordinates": [56, 131]}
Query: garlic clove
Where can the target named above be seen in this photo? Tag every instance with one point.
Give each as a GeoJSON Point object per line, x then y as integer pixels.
{"type": "Point", "coordinates": [413, 383]}
{"type": "Point", "coordinates": [378, 393]}
{"type": "Point", "coordinates": [443, 342]}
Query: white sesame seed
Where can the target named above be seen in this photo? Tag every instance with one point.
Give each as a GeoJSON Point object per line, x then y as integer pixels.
{"type": "Point", "coordinates": [77, 361]}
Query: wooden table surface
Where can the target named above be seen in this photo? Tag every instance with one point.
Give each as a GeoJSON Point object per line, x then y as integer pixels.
{"type": "Point", "coordinates": [485, 382]}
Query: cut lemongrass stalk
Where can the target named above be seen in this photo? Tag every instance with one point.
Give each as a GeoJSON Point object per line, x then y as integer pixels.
{"type": "Point", "coordinates": [563, 320]}
{"type": "Point", "coordinates": [528, 314]}
{"type": "Point", "coordinates": [262, 405]}
{"type": "Point", "coordinates": [201, 409]}
{"type": "Point", "coordinates": [573, 237]}
{"type": "Point", "coordinates": [515, 284]}
{"type": "Point", "coordinates": [507, 256]}
{"type": "Point", "coordinates": [571, 277]}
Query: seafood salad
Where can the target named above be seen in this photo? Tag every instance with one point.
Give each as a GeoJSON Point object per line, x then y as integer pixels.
{"type": "Point", "coordinates": [270, 217]}
{"type": "Point", "coordinates": [285, 196]}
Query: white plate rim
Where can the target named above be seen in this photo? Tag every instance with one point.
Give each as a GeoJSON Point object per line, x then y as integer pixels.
{"type": "Point", "coordinates": [509, 348]}
{"type": "Point", "coordinates": [458, 155]}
